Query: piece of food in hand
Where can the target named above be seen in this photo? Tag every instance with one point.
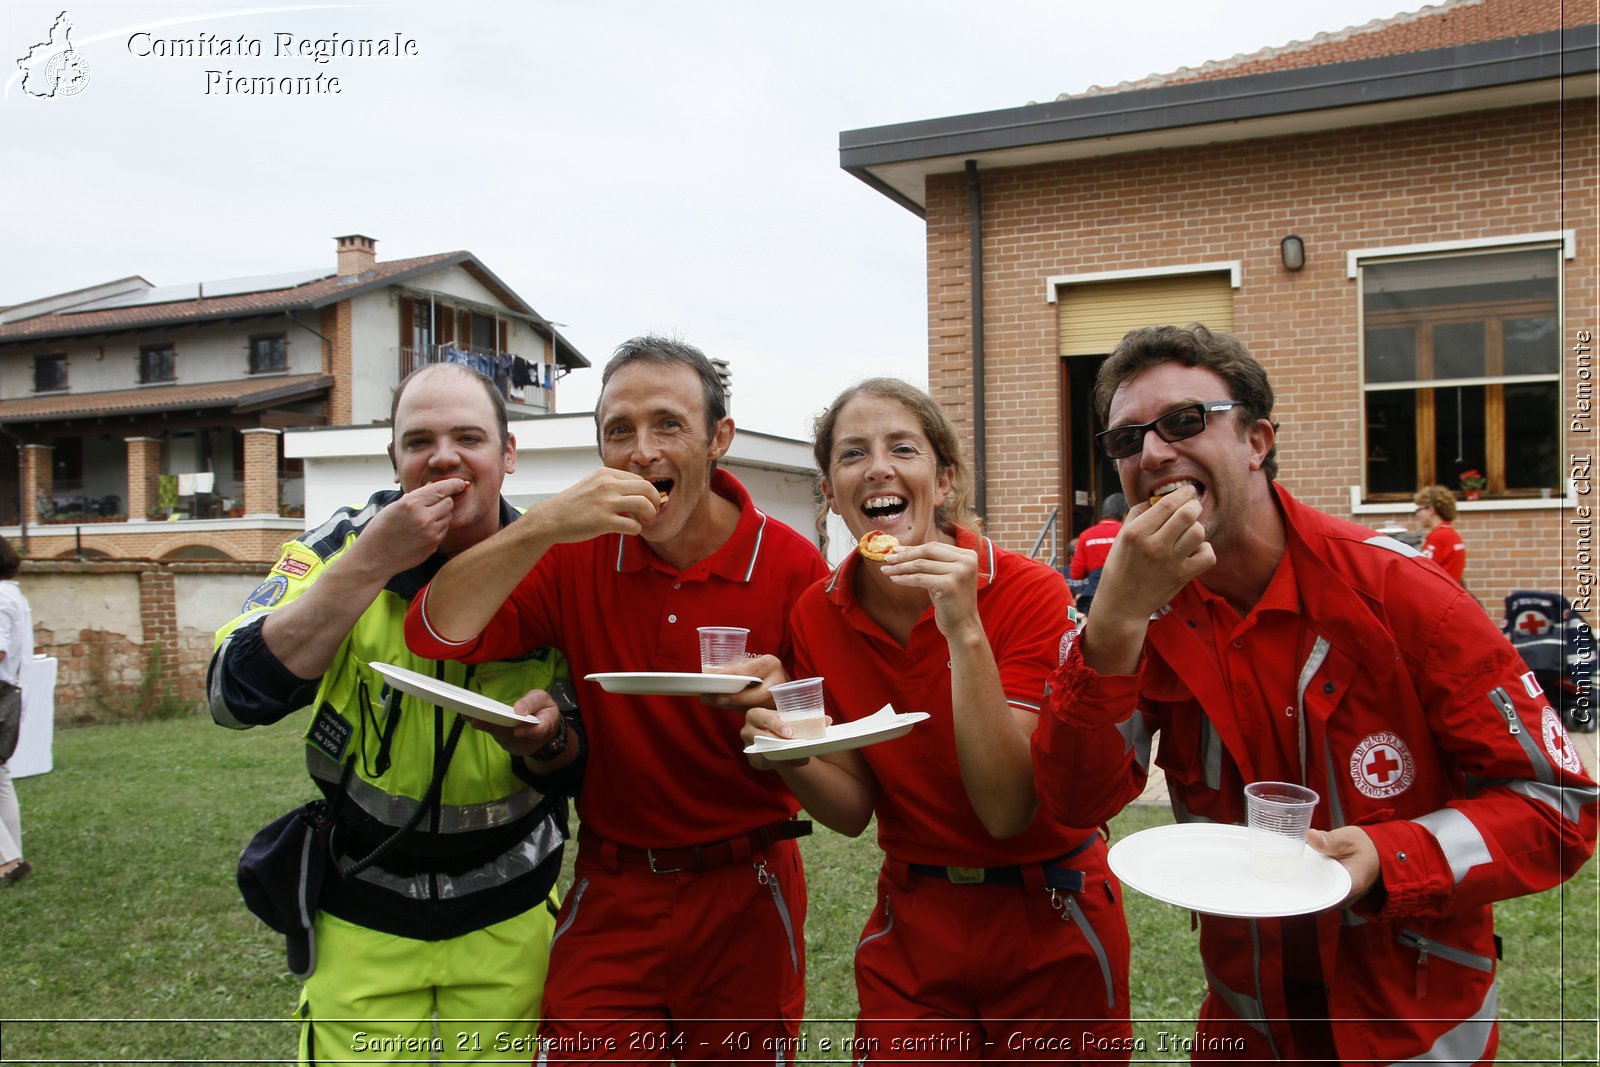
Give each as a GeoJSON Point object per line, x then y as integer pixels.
{"type": "Point", "coordinates": [1172, 487]}
{"type": "Point", "coordinates": [875, 544]}
{"type": "Point", "coordinates": [661, 498]}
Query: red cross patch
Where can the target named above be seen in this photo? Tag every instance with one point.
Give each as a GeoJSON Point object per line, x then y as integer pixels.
{"type": "Point", "coordinates": [1558, 743]}
{"type": "Point", "coordinates": [1381, 765]}
{"type": "Point", "coordinates": [1533, 623]}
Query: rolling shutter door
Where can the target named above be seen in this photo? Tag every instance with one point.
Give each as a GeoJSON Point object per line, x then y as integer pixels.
{"type": "Point", "coordinates": [1093, 317]}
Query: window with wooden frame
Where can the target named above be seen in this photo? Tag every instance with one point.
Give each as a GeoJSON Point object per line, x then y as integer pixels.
{"type": "Point", "coordinates": [1461, 372]}
{"type": "Point", "coordinates": [158, 363]}
{"type": "Point", "coordinates": [269, 354]}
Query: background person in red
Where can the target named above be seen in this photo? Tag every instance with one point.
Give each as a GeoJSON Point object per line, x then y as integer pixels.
{"type": "Point", "coordinates": [1094, 545]}
{"type": "Point", "coordinates": [978, 946]}
{"type": "Point", "coordinates": [1267, 641]}
{"type": "Point", "coordinates": [683, 937]}
{"type": "Point", "coordinates": [1436, 510]}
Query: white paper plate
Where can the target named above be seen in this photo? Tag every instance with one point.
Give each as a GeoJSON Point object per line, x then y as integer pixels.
{"type": "Point", "coordinates": [667, 683]}
{"type": "Point", "coordinates": [1206, 867]}
{"type": "Point", "coordinates": [465, 701]}
{"type": "Point", "coordinates": [885, 724]}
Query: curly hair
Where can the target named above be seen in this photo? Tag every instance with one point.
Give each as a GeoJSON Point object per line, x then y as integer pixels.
{"type": "Point", "coordinates": [1192, 346]}
{"type": "Point", "coordinates": [1440, 499]}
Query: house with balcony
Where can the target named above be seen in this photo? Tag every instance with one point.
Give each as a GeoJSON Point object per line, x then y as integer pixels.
{"type": "Point", "coordinates": [1397, 218]}
{"type": "Point", "coordinates": [141, 421]}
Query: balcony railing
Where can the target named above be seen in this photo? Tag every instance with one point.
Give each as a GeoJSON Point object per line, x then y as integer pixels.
{"type": "Point", "coordinates": [502, 367]}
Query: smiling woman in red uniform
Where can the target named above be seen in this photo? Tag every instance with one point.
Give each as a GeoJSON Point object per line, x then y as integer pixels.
{"type": "Point", "coordinates": [978, 946]}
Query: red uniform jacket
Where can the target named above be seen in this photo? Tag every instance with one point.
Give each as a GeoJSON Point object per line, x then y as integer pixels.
{"type": "Point", "coordinates": [1420, 724]}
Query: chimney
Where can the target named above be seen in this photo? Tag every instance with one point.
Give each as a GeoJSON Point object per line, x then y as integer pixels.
{"type": "Point", "coordinates": [356, 255]}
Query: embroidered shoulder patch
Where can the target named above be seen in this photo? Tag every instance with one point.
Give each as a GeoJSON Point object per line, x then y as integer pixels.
{"type": "Point", "coordinates": [267, 593]}
{"type": "Point", "coordinates": [1066, 644]}
{"type": "Point", "coordinates": [1531, 684]}
{"type": "Point", "coordinates": [1381, 765]}
{"type": "Point", "coordinates": [1558, 743]}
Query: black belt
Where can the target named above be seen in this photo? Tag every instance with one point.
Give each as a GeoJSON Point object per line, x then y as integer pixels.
{"type": "Point", "coordinates": [1054, 876]}
{"type": "Point", "coordinates": [695, 857]}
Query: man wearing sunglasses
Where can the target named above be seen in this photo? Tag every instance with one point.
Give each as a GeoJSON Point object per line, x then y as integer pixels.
{"type": "Point", "coordinates": [1267, 641]}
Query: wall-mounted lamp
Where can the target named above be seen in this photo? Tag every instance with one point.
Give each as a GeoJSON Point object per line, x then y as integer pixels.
{"type": "Point", "coordinates": [1294, 252]}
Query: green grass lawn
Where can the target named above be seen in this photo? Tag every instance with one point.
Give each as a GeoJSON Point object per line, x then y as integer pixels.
{"type": "Point", "coordinates": [130, 943]}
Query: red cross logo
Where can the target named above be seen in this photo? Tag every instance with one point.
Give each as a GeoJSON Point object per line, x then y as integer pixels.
{"type": "Point", "coordinates": [1557, 744]}
{"type": "Point", "coordinates": [1533, 623]}
{"type": "Point", "coordinates": [1383, 766]}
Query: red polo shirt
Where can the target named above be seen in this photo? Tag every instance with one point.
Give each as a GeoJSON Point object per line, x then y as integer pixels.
{"type": "Point", "coordinates": [1259, 656]}
{"type": "Point", "coordinates": [923, 812]}
{"type": "Point", "coordinates": [1445, 548]}
{"type": "Point", "coordinates": [1094, 545]}
{"type": "Point", "coordinates": [664, 771]}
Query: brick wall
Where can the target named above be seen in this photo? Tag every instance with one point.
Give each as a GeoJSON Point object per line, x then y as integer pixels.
{"type": "Point", "coordinates": [1490, 174]}
{"type": "Point", "coordinates": [109, 623]}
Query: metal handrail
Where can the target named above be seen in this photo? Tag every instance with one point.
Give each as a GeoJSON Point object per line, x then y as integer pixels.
{"type": "Point", "coordinates": [1050, 529]}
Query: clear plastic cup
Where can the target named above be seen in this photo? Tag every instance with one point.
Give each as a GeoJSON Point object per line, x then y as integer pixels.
{"type": "Point", "coordinates": [720, 646]}
{"type": "Point", "coordinates": [1278, 814]}
{"type": "Point", "coordinates": [800, 706]}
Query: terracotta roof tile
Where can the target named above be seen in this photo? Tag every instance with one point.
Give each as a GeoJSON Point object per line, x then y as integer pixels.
{"type": "Point", "coordinates": [326, 290]}
{"type": "Point", "coordinates": [235, 394]}
{"type": "Point", "coordinates": [1444, 25]}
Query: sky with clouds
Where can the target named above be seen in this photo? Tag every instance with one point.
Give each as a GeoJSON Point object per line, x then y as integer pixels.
{"type": "Point", "coordinates": [625, 166]}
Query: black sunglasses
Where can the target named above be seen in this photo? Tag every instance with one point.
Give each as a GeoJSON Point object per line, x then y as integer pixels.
{"type": "Point", "coordinates": [1120, 442]}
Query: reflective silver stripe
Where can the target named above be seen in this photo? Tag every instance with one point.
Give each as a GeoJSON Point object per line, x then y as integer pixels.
{"type": "Point", "coordinates": [1247, 1009]}
{"type": "Point", "coordinates": [1568, 800]}
{"type": "Point", "coordinates": [1466, 1041]}
{"type": "Point", "coordinates": [1464, 847]}
{"type": "Point", "coordinates": [1347, 916]}
{"type": "Point", "coordinates": [1392, 545]}
{"type": "Point", "coordinates": [1211, 754]}
{"type": "Point", "coordinates": [1136, 736]}
{"type": "Point", "coordinates": [574, 902]}
{"type": "Point", "coordinates": [887, 914]}
{"type": "Point", "coordinates": [1319, 653]}
{"type": "Point", "coordinates": [1081, 921]}
{"type": "Point", "coordinates": [515, 862]}
{"type": "Point", "coordinates": [1423, 943]}
{"type": "Point", "coordinates": [783, 916]}
{"type": "Point", "coordinates": [396, 811]}
{"type": "Point", "coordinates": [1335, 805]}
{"type": "Point", "coordinates": [221, 714]}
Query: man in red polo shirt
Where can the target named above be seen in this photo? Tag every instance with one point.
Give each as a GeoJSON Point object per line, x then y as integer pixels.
{"type": "Point", "coordinates": [682, 937]}
{"type": "Point", "coordinates": [1094, 545]}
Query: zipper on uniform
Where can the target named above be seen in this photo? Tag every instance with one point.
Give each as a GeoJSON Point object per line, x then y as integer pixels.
{"type": "Point", "coordinates": [1502, 700]}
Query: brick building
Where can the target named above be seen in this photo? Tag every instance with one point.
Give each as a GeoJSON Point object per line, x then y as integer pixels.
{"type": "Point", "coordinates": [1399, 219]}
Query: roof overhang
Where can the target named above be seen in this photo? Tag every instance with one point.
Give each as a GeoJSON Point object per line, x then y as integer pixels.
{"type": "Point", "coordinates": [234, 397]}
{"type": "Point", "coordinates": [1538, 68]}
